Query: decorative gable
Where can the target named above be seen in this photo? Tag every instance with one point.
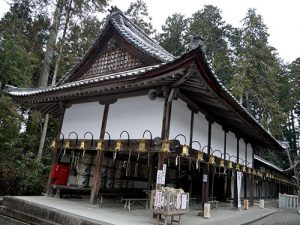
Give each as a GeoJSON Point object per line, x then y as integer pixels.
{"type": "Point", "coordinates": [111, 61]}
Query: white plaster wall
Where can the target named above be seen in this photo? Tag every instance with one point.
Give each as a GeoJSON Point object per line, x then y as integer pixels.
{"type": "Point", "coordinates": [135, 115]}
{"type": "Point", "coordinates": [217, 139]}
{"type": "Point", "coordinates": [200, 130]}
{"type": "Point", "coordinates": [180, 121]}
{"type": "Point", "coordinates": [231, 147]}
{"type": "Point", "coordinates": [249, 156]}
{"type": "Point", "coordinates": [81, 118]}
{"type": "Point", "coordinates": [242, 150]}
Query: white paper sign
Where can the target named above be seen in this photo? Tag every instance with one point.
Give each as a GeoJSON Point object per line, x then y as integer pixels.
{"type": "Point", "coordinates": [178, 201]}
{"type": "Point", "coordinates": [159, 176]}
{"type": "Point", "coordinates": [183, 201]}
{"type": "Point", "coordinates": [158, 196]}
{"type": "Point", "coordinates": [205, 178]}
{"type": "Point", "coordinates": [164, 170]}
{"type": "Point", "coordinates": [239, 183]}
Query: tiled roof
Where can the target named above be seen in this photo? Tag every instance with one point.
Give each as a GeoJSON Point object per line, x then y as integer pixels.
{"type": "Point", "coordinates": [137, 37]}
{"type": "Point", "coordinates": [22, 92]}
{"type": "Point", "coordinates": [267, 163]}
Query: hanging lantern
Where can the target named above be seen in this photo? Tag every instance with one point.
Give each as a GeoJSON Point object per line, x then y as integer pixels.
{"type": "Point", "coordinates": [200, 156]}
{"type": "Point", "coordinates": [82, 144]}
{"type": "Point", "coordinates": [211, 159]}
{"type": "Point", "coordinates": [53, 144]}
{"type": "Point", "coordinates": [185, 151]}
{"type": "Point", "coordinates": [229, 165]}
{"type": "Point", "coordinates": [165, 146]}
{"type": "Point", "coordinates": [249, 170]}
{"type": "Point", "coordinates": [67, 144]}
{"type": "Point", "coordinates": [237, 167]}
{"type": "Point", "coordinates": [142, 146]}
{"type": "Point", "coordinates": [99, 146]}
{"type": "Point", "coordinates": [244, 169]}
{"type": "Point", "coordinates": [222, 163]}
{"type": "Point", "coordinates": [118, 146]}
{"type": "Point", "coordinates": [254, 172]}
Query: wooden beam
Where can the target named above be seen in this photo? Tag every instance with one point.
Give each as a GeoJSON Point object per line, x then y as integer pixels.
{"type": "Point", "coordinates": [235, 200]}
{"type": "Point", "coordinates": [99, 160]}
{"type": "Point", "coordinates": [190, 72]}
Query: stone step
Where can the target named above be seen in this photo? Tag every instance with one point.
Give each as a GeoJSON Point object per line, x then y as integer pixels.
{"type": "Point", "coordinates": [37, 214]}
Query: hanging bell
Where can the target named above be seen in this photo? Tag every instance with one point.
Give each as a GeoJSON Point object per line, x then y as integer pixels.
{"type": "Point", "coordinates": [229, 164]}
{"type": "Point", "coordinates": [211, 159]}
{"type": "Point", "coordinates": [165, 146]}
{"type": "Point", "coordinates": [237, 167]}
{"type": "Point", "coordinates": [53, 144]}
{"type": "Point", "coordinates": [99, 146]}
{"type": "Point", "coordinates": [142, 146]}
{"type": "Point", "coordinates": [222, 163]}
{"type": "Point", "coordinates": [118, 146]}
{"type": "Point", "coordinates": [185, 151]}
{"type": "Point", "coordinates": [67, 144]}
{"type": "Point", "coordinates": [244, 169]}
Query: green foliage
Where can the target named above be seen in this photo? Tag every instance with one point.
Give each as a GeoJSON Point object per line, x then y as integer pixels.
{"type": "Point", "coordinates": [172, 37]}
{"type": "Point", "coordinates": [208, 22]}
{"type": "Point", "coordinates": [138, 14]}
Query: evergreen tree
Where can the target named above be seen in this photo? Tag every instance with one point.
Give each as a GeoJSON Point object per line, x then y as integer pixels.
{"type": "Point", "coordinates": [138, 14]}
{"type": "Point", "coordinates": [173, 35]}
{"type": "Point", "coordinates": [256, 82]}
{"type": "Point", "coordinates": [208, 22]}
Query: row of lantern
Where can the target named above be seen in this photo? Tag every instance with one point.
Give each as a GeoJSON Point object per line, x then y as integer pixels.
{"type": "Point", "coordinates": [165, 147]}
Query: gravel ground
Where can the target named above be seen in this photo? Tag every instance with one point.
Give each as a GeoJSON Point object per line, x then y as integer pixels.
{"type": "Point", "coordinates": [282, 217]}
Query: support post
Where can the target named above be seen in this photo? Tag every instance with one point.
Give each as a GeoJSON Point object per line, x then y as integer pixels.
{"type": "Point", "coordinates": [55, 153]}
{"type": "Point", "coordinates": [165, 129]}
{"type": "Point", "coordinates": [235, 200]}
{"type": "Point", "coordinates": [205, 178]}
{"type": "Point", "coordinates": [245, 174]}
{"type": "Point", "coordinates": [99, 160]}
{"type": "Point", "coordinates": [225, 151]}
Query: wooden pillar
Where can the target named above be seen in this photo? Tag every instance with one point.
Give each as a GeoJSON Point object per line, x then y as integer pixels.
{"type": "Point", "coordinates": [245, 174]}
{"type": "Point", "coordinates": [55, 153]}
{"type": "Point", "coordinates": [191, 140]}
{"type": "Point", "coordinates": [99, 160]}
{"type": "Point", "coordinates": [165, 128]}
{"type": "Point", "coordinates": [235, 200]}
{"type": "Point", "coordinates": [225, 151]}
{"type": "Point", "coordinates": [205, 177]}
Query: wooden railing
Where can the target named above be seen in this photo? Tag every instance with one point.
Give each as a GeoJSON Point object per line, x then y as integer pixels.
{"type": "Point", "coordinates": [288, 201]}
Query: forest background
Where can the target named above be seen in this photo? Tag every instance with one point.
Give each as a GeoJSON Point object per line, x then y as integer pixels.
{"type": "Point", "coordinates": [41, 40]}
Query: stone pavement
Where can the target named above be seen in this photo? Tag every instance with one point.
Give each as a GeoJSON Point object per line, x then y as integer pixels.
{"type": "Point", "coordinates": [281, 217]}
{"type": "Point", "coordinates": [113, 213]}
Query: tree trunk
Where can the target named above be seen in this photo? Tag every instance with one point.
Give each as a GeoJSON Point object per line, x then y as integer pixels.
{"type": "Point", "coordinates": [46, 64]}
{"type": "Point", "coordinates": [43, 81]}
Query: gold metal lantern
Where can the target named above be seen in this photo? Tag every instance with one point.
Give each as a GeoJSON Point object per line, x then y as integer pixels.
{"type": "Point", "coordinates": [82, 144]}
{"type": "Point", "coordinates": [53, 144]}
{"type": "Point", "coordinates": [185, 151]}
{"type": "Point", "coordinates": [222, 164]}
{"type": "Point", "coordinates": [249, 170]}
{"type": "Point", "coordinates": [244, 169]}
{"type": "Point", "coordinates": [237, 167]}
{"type": "Point", "coordinates": [229, 165]}
{"type": "Point", "coordinates": [142, 146]}
{"type": "Point", "coordinates": [254, 172]}
{"type": "Point", "coordinates": [200, 156]}
{"type": "Point", "coordinates": [118, 146]}
{"type": "Point", "coordinates": [67, 144]}
{"type": "Point", "coordinates": [211, 159]}
{"type": "Point", "coordinates": [165, 146]}
{"type": "Point", "coordinates": [99, 146]}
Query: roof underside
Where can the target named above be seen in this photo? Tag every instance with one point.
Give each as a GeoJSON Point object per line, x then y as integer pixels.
{"type": "Point", "coordinates": [191, 76]}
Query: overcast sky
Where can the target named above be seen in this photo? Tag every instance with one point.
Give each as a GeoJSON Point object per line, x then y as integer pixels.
{"type": "Point", "coordinates": [281, 17]}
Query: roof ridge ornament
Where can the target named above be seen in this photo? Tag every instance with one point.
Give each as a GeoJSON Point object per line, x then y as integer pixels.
{"type": "Point", "coordinates": [114, 10]}
{"type": "Point", "coordinates": [196, 42]}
